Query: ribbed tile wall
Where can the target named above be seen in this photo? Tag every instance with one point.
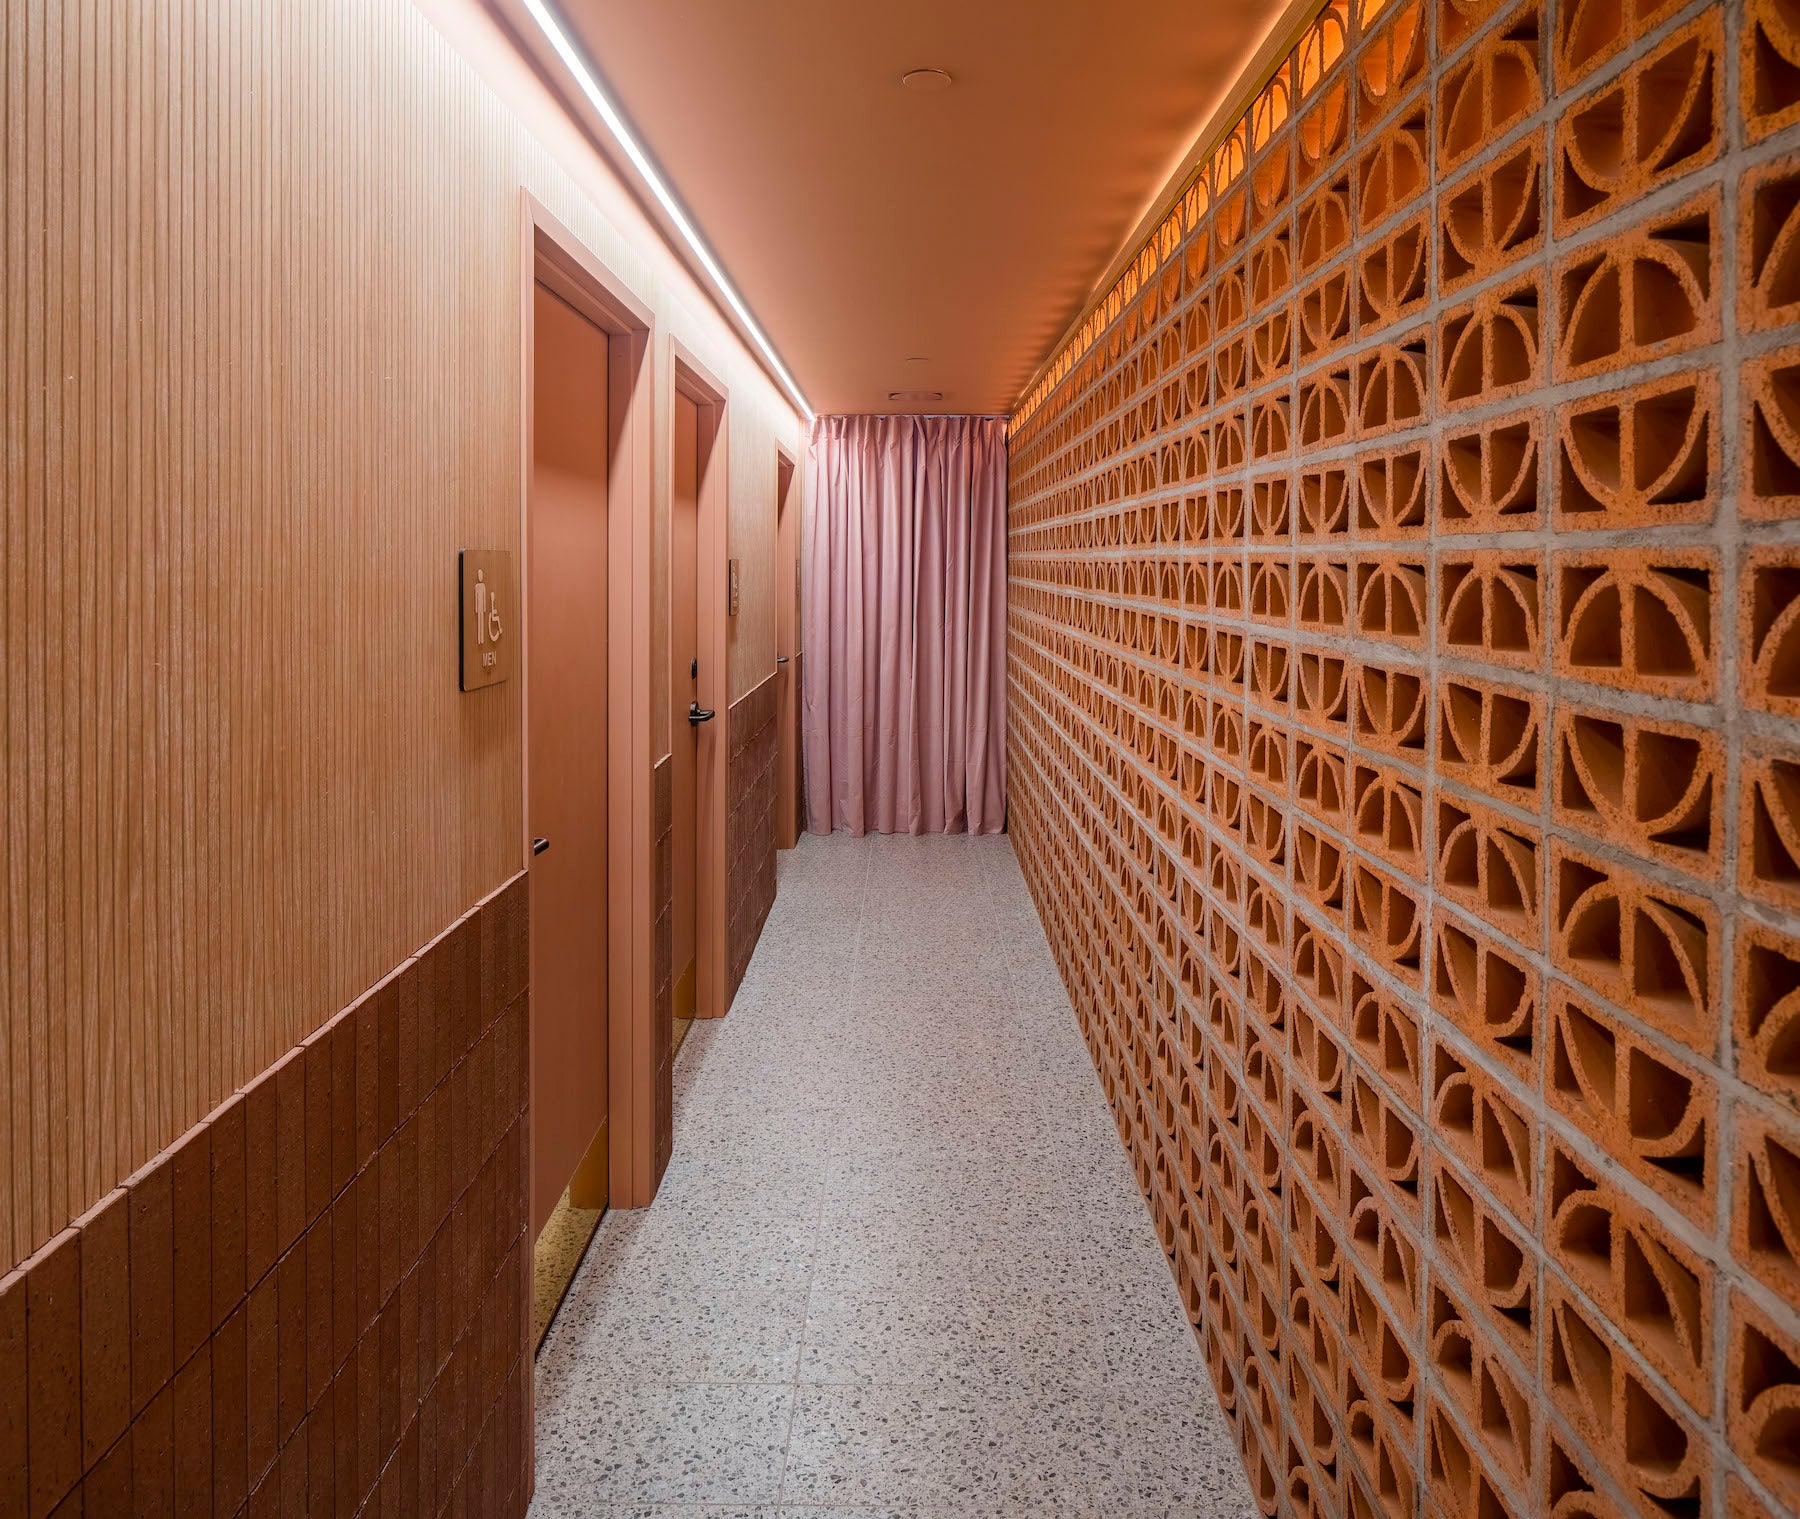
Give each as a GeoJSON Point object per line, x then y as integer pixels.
{"type": "Point", "coordinates": [316, 1299]}
{"type": "Point", "coordinates": [1403, 672]}
{"type": "Point", "coordinates": [749, 827]}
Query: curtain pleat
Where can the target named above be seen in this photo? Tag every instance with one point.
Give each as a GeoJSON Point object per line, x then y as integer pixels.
{"type": "Point", "coordinates": [903, 711]}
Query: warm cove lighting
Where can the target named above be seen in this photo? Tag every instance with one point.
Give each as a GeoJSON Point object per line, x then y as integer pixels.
{"type": "Point", "coordinates": [615, 123]}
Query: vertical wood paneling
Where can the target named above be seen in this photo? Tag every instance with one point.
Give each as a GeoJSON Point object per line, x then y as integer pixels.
{"type": "Point", "coordinates": [13, 1052]}
{"type": "Point", "coordinates": [752, 543]}
{"type": "Point", "coordinates": [259, 348]}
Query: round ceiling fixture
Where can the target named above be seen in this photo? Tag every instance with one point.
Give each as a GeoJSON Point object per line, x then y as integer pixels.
{"type": "Point", "coordinates": [915, 397]}
{"type": "Point", "coordinates": [927, 81]}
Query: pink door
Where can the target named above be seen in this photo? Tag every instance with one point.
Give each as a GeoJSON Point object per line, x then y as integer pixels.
{"type": "Point", "coordinates": [566, 742]}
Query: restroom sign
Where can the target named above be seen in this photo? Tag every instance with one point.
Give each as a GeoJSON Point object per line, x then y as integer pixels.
{"type": "Point", "coordinates": [489, 616]}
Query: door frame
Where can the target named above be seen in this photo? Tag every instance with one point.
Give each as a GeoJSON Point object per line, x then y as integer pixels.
{"type": "Point", "coordinates": [690, 377]}
{"type": "Point", "coordinates": [787, 630]}
{"type": "Point", "coordinates": [554, 255]}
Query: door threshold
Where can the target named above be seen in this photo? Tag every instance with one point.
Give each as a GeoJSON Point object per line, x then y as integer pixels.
{"type": "Point", "coordinates": [566, 1235]}
{"type": "Point", "coordinates": [555, 1259]}
{"type": "Point", "coordinates": [685, 985]}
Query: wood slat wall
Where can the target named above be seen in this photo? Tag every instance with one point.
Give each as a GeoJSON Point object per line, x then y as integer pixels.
{"type": "Point", "coordinates": [259, 367]}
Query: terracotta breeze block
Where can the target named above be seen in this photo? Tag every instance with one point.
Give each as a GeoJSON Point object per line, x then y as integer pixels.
{"type": "Point", "coordinates": [1763, 1392]}
{"type": "Point", "coordinates": [1742, 1504]}
{"type": "Point", "coordinates": [1430, 899]}
{"type": "Point", "coordinates": [1655, 788]}
{"type": "Point", "coordinates": [1768, 612]}
{"type": "Point", "coordinates": [1769, 442]}
{"type": "Point", "coordinates": [1639, 620]}
{"type": "Point", "coordinates": [1643, 295]}
{"type": "Point", "coordinates": [1767, 1010]}
{"type": "Point", "coordinates": [1670, 102]}
{"type": "Point", "coordinates": [1651, 1109]}
{"type": "Point", "coordinates": [1653, 1288]}
{"type": "Point", "coordinates": [1765, 1232]}
{"type": "Point", "coordinates": [1654, 951]}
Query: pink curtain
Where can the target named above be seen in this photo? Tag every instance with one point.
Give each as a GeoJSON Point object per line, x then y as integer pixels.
{"type": "Point", "coordinates": [903, 715]}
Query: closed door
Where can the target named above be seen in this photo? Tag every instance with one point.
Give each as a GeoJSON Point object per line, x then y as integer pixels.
{"type": "Point", "coordinates": [684, 689]}
{"type": "Point", "coordinates": [788, 807]}
{"type": "Point", "coordinates": [566, 762]}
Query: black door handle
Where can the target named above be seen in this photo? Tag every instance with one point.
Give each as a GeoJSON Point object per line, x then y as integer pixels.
{"type": "Point", "coordinates": [698, 714]}
{"type": "Point", "coordinates": [538, 846]}
{"type": "Point", "coordinates": [781, 659]}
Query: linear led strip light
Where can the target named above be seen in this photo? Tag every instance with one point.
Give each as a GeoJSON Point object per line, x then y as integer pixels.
{"type": "Point", "coordinates": [615, 123]}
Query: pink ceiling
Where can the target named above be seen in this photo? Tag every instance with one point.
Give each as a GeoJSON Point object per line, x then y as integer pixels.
{"type": "Point", "coordinates": [866, 224]}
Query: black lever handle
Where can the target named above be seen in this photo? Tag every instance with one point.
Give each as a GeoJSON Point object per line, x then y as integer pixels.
{"type": "Point", "coordinates": [781, 659]}
{"type": "Point", "coordinates": [698, 714]}
{"type": "Point", "coordinates": [538, 846]}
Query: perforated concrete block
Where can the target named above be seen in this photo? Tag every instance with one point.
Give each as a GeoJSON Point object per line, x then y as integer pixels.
{"type": "Point", "coordinates": [1404, 677]}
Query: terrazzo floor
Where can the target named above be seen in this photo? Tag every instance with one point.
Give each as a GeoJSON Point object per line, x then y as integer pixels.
{"type": "Point", "coordinates": [899, 1264]}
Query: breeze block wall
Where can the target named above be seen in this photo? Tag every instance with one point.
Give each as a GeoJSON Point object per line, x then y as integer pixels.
{"type": "Point", "coordinates": [1404, 663]}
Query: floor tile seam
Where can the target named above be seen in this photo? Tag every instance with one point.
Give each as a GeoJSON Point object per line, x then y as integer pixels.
{"type": "Point", "coordinates": [1031, 952]}
{"type": "Point", "coordinates": [858, 991]}
{"type": "Point", "coordinates": [1115, 1391]}
{"type": "Point", "coordinates": [1110, 1391]}
{"type": "Point", "coordinates": [640, 1383]}
{"type": "Point", "coordinates": [812, 1263]}
{"type": "Point", "coordinates": [862, 913]}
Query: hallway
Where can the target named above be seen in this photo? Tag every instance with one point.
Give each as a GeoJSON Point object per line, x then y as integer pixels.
{"type": "Point", "coordinates": [899, 1262]}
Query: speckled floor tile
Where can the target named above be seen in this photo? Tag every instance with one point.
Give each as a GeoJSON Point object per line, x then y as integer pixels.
{"type": "Point", "coordinates": [871, 1333]}
{"type": "Point", "coordinates": [1178, 1454]}
{"type": "Point", "coordinates": [948, 1444]}
{"type": "Point", "coordinates": [665, 1443]}
{"type": "Point", "coordinates": [717, 1243]}
{"type": "Point", "coordinates": [1055, 1508]}
{"type": "Point", "coordinates": [686, 1511]}
{"type": "Point", "coordinates": [793, 1182]}
{"type": "Point", "coordinates": [546, 1506]}
{"type": "Point", "coordinates": [693, 1333]}
{"type": "Point", "coordinates": [866, 1445]}
{"type": "Point", "coordinates": [899, 1267]}
{"type": "Point", "coordinates": [1101, 1342]}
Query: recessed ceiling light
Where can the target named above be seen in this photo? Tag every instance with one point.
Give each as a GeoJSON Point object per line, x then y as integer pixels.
{"type": "Point", "coordinates": [927, 81]}
{"type": "Point", "coordinates": [918, 358]}
{"type": "Point", "coordinates": [912, 396]}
